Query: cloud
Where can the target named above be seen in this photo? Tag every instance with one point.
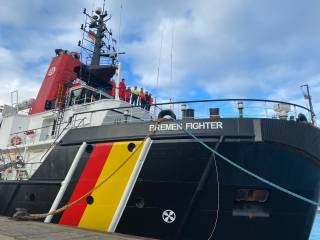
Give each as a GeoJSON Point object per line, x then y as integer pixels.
{"type": "Point", "coordinates": [233, 49]}
{"type": "Point", "coordinates": [30, 31]}
{"type": "Point", "coordinates": [220, 49]}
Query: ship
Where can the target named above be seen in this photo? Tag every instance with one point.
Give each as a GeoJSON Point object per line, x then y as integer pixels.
{"type": "Point", "coordinates": [79, 155]}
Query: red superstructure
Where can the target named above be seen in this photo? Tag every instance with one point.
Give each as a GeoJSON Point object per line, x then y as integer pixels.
{"type": "Point", "coordinates": [52, 90]}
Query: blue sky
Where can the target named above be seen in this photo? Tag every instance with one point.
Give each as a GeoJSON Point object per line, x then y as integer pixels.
{"type": "Point", "coordinates": [220, 49]}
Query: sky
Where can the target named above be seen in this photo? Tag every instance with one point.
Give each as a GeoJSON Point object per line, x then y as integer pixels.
{"type": "Point", "coordinates": [203, 49]}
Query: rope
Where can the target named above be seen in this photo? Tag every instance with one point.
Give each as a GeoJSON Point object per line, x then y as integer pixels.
{"type": "Point", "coordinates": [272, 184]}
{"type": "Point", "coordinates": [218, 198]}
{"type": "Point", "coordinates": [69, 205]}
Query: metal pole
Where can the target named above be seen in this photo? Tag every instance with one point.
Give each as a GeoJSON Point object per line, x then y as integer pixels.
{"type": "Point", "coordinates": [310, 104]}
{"type": "Point", "coordinates": [66, 181]}
{"type": "Point", "coordinates": [118, 82]}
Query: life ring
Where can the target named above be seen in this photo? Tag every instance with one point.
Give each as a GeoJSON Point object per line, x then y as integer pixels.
{"type": "Point", "coordinates": [167, 113]}
{"type": "Point", "coordinates": [16, 140]}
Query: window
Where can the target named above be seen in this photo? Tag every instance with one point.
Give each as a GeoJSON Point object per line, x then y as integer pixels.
{"type": "Point", "coordinates": [252, 195]}
{"type": "Point", "coordinates": [252, 203]}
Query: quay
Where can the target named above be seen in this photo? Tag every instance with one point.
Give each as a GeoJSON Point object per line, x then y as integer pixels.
{"type": "Point", "coordinates": [27, 230]}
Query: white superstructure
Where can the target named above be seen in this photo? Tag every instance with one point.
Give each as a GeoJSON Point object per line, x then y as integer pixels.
{"type": "Point", "coordinates": [25, 140]}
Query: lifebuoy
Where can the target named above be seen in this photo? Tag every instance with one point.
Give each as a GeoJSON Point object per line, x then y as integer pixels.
{"type": "Point", "coordinates": [16, 140]}
{"type": "Point", "coordinates": [168, 113]}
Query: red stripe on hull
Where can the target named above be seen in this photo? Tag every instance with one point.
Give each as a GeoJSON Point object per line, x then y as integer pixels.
{"type": "Point", "coordinates": [86, 182]}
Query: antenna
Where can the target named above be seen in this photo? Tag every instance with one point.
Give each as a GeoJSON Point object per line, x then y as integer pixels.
{"type": "Point", "coordinates": [104, 3]}
{"type": "Point", "coordinates": [120, 23]}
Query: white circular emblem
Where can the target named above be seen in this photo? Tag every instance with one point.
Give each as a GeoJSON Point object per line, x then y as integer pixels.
{"type": "Point", "coordinates": [168, 216]}
{"type": "Point", "coordinates": [51, 71]}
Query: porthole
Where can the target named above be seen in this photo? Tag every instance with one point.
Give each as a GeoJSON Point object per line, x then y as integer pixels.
{"type": "Point", "coordinates": [131, 147]}
{"type": "Point", "coordinates": [139, 202]}
{"type": "Point", "coordinates": [90, 200]}
{"type": "Point", "coordinates": [89, 148]}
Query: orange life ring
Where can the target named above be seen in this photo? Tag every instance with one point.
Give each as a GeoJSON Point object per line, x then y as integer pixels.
{"type": "Point", "coordinates": [16, 140]}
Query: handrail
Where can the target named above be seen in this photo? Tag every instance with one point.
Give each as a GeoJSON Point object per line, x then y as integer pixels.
{"type": "Point", "coordinates": [115, 109]}
{"type": "Point", "coordinates": [201, 101]}
{"type": "Point", "coordinates": [47, 126]}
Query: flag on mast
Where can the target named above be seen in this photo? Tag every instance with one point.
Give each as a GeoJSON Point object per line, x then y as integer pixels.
{"type": "Point", "coordinates": [92, 35]}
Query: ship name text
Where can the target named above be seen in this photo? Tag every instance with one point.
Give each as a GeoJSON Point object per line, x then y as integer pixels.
{"type": "Point", "coordinates": [187, 126]}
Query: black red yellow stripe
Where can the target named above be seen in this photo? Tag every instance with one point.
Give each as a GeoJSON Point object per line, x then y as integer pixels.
{"type": "Point", "coordinates": [103, 161]}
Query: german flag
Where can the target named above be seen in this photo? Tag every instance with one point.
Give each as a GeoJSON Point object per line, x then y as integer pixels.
{"type": "Point", "coordinates": [92, 35]}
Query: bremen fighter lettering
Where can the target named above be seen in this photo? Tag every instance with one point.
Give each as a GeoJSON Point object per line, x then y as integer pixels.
{"type": "Point", "coordinates": [187, 126]}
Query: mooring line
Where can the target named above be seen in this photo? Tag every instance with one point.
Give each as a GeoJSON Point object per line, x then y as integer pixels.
{"type": "Point", "coordinates": [69, 205]}
{"type": "Point", "coordinates": [272, 184]}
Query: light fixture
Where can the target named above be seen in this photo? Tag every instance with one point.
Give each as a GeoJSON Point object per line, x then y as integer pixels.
{"type": "Point", "coordinates": [183, 106]}
{"type": "Point", "coordinates": [240, 105]}
{"type": "Point", "coordinates": [126, 115]}
{"type": "Point", "coordinates": [240, 108]}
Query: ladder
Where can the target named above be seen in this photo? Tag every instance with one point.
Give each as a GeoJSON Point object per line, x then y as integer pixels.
{"type": "Point", "coordinates": [60, 106]}
{"type": "Point", "coordinates": [60, 96]}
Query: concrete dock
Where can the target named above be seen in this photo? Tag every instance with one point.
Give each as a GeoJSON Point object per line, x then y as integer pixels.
{"type": "Point", "coordinates": [27, 230]}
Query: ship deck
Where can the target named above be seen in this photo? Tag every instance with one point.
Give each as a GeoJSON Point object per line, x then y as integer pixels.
{"type": "Point", "coordinates": [25, 230]}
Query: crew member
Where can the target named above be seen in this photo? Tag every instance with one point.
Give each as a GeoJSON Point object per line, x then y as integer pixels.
{"type": "Point", "coordinates": [122, 89]}
{"type": "Point", "coordinates": [112, 91]}
{"type": "Point", "coordinates": [142, 99]}
{"type": "Point", "coordinates": [135, 95]}
{"type": "Point", "coordinates": [128, 94]}
{"type": "Point", "coordinates": [147, 101]}
{"type": "Point", "coordinates": [151, 101]}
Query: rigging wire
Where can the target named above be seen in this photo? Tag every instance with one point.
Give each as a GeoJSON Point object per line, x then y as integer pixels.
{"type": "Point", "coordinates": [159, 62]}
{"type": "Point", "coordinates": [120, 24]}
{"type": "Point", "coordinates": [171, 60]}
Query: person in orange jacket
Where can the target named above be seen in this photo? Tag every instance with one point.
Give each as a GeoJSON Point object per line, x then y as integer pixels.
{"type": "Point", "coordinates": [142, 98]}
{"type": "Point", "coordinates": [128, 94]}
{"type": "Point", "coordinates": [122, 89]}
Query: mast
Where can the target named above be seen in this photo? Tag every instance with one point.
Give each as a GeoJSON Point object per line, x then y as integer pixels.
{"type": "Point", "coordinates": [99, 44]}
{"type": "Point", "coordinates": [99, 24]}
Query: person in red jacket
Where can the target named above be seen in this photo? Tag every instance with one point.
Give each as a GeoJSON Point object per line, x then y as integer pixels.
{"type": "Point", "coordinates": [112, 90]}
{"type": "Point", "coordinates": [142, 98]}
{"type": "Point", "coordinates": [128, 94]}
{"type": "Point", "coordinates": [122, 89]}
{"type": "Point", "coordinates": [150, 101]}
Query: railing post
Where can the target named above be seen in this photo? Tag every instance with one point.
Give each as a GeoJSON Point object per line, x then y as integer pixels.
{"type": "Point", "coordinates": [266, 108]}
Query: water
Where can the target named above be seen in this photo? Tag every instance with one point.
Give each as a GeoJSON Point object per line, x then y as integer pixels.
{"type": "Point", "coordinates": [315, 233]}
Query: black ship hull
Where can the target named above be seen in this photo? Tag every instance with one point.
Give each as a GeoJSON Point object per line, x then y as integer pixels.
{"type": "Point", "coordinates": [179, 176]}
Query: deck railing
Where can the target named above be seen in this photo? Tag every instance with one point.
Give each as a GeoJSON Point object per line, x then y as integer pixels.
{"type": "Point", "coordinates": [213, 108]}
